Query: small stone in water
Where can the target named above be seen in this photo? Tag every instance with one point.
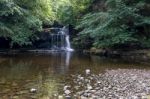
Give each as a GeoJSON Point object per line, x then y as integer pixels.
{"type": "Point", "coordinates": [87, 71]}
{"type": "Point", "coordinates": [55, 95]}
{"type": "Point", "coordinates": [89, 87]}
{"type": "Point", "coordinates": [15, 97]}
{"type": "Point", "coordinates": [60, 97]}
{"type": "Point", "coordinates": [66, 87]}
{"type": "Point", "coordinates": [144, 97]}
{"type": "Point", "coordinates": [33, 90]}
{"type": "Point", "coordinates": [14, 84]}
{"type": "Point", "coordinates": [77, 87]}
{"type": "Point", "coordinates": [68, 97]}
{"type": "Point", "coordinates": [82, 97]}
{"type": "Point", "coordinates": [67, 92]}
{"type": "Point", "coordinates": [81, 78]}
{"type": "Point", "coordinates": [98, 82]}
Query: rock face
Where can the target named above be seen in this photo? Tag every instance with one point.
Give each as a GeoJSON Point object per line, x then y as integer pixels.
{"type": "Point", "coordinates": [44, 38]}
{"type": "Point", "coordinates": [113, 84]}
{"type": "Point", "coordinates": [4, 43]}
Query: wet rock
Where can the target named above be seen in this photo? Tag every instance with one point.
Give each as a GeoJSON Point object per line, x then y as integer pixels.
{"type": "Point", "coordinates": [33, 90]}
{"type": "Point", "coordinates": [33, 97]}
{"type": "Point", "coordinates": [68, 97]}
{"type": "Point", "coordinates": [87, 71]}
{"type": "Point", "coordinates": [22, 92]}
{"type": "Point", "coordinates": [82, 97]}
{"type": "Point", "coordinates": [2, 81]}
{"type": "Point", "coordinates": [66, 87]}
{"type": "Point", "coordinates": [6, 90]}
{"type": "Point", "coordinates": [44, 97]}
{"type": "Point", "coordinates": [55, 95]}
{"type": "Point", "coordinates": [14, 84]}
{"type": "Point", "coordinates": [89, 87]}
{"type": "Point", "coordinates": [76, 87]}
{"type": "Point", "coordinates": [60, 97]}
{"type": "Point", "coordinates": [67, 92]}
{"type": "Point", "coordinates": [15, 97]}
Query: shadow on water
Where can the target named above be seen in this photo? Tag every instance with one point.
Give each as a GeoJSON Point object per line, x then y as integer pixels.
{"type": "Point", "coordinates": [48, 72]}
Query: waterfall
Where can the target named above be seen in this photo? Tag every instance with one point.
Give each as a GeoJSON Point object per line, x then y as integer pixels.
{"type": "Point", "coordinates": [61, 40]}
{"type": "Point", "coordinates": [68, 48]}
{"type": "Point", "coordinates": [67, 39]}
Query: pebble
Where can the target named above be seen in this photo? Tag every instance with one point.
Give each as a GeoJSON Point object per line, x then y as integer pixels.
{"type": "Point", "coordinates": [33, 90]}
{"type": "Point", "coordinates": [87, 71]}
{"type": "Point", "coordinates": [68, 97]}
{"type": "Point", "coordinates": [60, 97]}
{"type": "Point", "coordinates": [67, 92]}
{"type": "Point", "coordinates": [15, 97]}
{"type": "Point", "coordinates": [66, 87]}
{"type": "Point", "coordinates": [89, 87]}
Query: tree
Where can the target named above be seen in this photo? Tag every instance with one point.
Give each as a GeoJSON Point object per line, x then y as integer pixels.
{"type": "Point", "coordinates": [122, 23]}
{"type": "Point", "coordinates": [42, 9]}
{"type": "Point", "coordinates": [69, 11]}
{"type": "Point", "coordinates": [21, 19]}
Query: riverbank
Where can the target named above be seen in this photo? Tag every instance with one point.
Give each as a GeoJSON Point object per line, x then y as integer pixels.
{"type": "Point", "coordinates": [113, 84]}
{"type": "Point", "coordinates": [140, 55]}
{"type": "Point", "coordinates": [13, 51]}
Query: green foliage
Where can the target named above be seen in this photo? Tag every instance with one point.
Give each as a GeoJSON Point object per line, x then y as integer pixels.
{"type": "Point", "coordinates": [120, 22]}
{"type": "Point", "coordinates": [42, 9]}
{"type": "Point", "coordinates": [123, 23]}
{"type": "Point", "coordinates": [68, 11]}
{"type": "Point", "coordinates": [21, 19]}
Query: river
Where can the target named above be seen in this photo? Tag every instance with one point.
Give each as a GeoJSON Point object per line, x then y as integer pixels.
{"type": "Point", "coordinates": [22, 73]}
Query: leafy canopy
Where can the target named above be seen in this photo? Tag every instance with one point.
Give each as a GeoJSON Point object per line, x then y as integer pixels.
{"type": "Point", "coordinates": [123, 23]}
{"type": "Point", "coordinates": [20, 19]}
{"type": "Point", "coordinates": [68, 11]}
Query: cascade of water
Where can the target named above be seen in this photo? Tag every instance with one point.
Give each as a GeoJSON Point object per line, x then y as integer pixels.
{"type": "Point", "coordinates": [61, 40]}
{"type": "Point", "coordinates": [52, 40]}
{"type": "Point", "coordinates": [68, 48]}
{"type": "Point", "coordinates": [57, 40]}
{"type": "Point", "coordinates": [65, 31]}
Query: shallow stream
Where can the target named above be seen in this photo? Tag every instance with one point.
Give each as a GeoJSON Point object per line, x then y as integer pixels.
{"type": "Point", "coordinates": [49, 72]}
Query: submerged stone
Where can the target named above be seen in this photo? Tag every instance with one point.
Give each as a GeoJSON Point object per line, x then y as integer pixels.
{"type": "Point", "coordinates": [67, 92]}
{"type": "Point", "coordinates": [87, 71]}
{"type": "Point", "coordinates": [33, 90]}
{"type": "Point", "coordinates": [60, 97]}
{"type": "Point", "coordinates": [15, 97]}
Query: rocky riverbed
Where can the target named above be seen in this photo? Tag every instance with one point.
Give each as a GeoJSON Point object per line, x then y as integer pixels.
{"type": "Point", "coordinates": [113, 84]}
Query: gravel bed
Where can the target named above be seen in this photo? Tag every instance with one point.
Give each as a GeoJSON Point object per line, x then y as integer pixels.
{"type": "Point", "coordinates": [113, 84]}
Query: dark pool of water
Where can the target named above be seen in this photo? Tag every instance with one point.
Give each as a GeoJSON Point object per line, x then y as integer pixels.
{"type": "Point", "coordinates": [48, 72]}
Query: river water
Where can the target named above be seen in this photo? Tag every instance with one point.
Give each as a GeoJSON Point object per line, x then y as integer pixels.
{"type": "Point", "coordinates": [48, 73]}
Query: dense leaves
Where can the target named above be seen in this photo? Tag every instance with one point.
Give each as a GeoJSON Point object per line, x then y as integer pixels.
{"type": "Point", "coordinates": [68, 11]}
{"type": "Point", "coordinates": [17, 23]}
{"type": "Point", "coordinates": [21, 19]}
{"type": "Point", "coordinates": [102, 23]}
{"type": "Point", "coordinates": [123, 23]}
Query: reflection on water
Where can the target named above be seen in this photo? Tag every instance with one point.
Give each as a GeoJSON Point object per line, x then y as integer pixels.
{"type": "Point", "coordinates": [68, 55]}
{"type": "Point", "coordinates": [47, 72]}
{"type": "Point", "coordinates": [61, 62]}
